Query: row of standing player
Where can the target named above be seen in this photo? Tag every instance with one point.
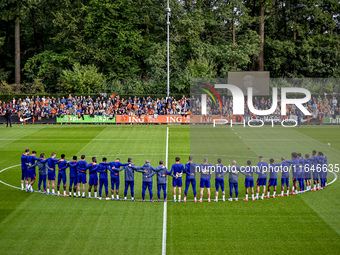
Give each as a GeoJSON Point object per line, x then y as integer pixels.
{"type": "Point", "coordinates": [78, 176]}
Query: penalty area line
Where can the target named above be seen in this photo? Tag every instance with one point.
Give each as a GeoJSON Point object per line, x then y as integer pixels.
{"type": "Point", "coordinates": [165, 204]}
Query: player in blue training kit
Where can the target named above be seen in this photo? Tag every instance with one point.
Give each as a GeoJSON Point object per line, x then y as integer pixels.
{"type": "Point", "coordinates": [93, 176]}
{"type": "Point", "coordinates": [295, 164]}
{"type": "Point", "coordinates": [220, 171]}
{"type": "Point", "coordinates": [129, 179]}
{"type": "Point", "coordinates": [31, 171]}
{"type": "Point", "coordinates": [261, 170]}
{"type": "Point", "coordinates": [162, 173]}
{"type": "Point", "coordinates": [307, 174]}
{"type": "Point", "coordinates": [189, 170]}
{"type": "Point", "coordinates": [314, 171]}
{"type": "Point", "coordinates": [115, 177]}
{"type": "Point", "coordinates": [73, 177]}
{"type": "Point", "coordinates": [62, 166]}
{"type": "Point", "coordinates": [205, 169]}
{"type": "Point", "coordinates": [43, 168]}
{"type": "Point", "coordinates": [103, 178]}
{"type": "Point", "coordinates": [273, 169]}
{"type": "Point", "coordinates": [176, 172]}
{"type": "Point", "coordinates": [322, 168]}
{"type": "Point", "coordinates": [81, 168]}
{"type": "Point", "coordinates": [300, 173]}
{"type": "Point", "coordinates": [233, 172]}
{"type": "Point", "coordinates": [284, 177]}
{"type": "Point", "coordinates": [248, 171]}
{"type": "Point", "coordinates": [147, 171]}
{"type": "Point", "coordinates": [52, 161]}
{"type": "Point", "coordinates": [24, 165]}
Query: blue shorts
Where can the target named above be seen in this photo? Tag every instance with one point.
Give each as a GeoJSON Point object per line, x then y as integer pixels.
{"type": "Point", "coordinates": [51, 175]}
{"type": "Point", "coordinates": [205, 183]}
{"type": "Point", "coordinates": [261, 182]}
{"type": "Point", "coordinates": [249, 183]}
{"type": "Point", "coordinates": [308, 176]}
{"type": "Point", "coordinates": [218, 183]}
{"type": "Point", "coordinates": [93, 180]}
{"type": "Point", "coordinates": [31, 173]}
{"type": "Point", "coordinates": [177, 182]}
{"type": "Point", "coordinates": [316, 179]}
{"type": "Point", "coordinates": [284, 181]}
{"type": "Point", "coordinates": [73, 181]}
{"type": "Point", "coordinates": [24, 175]}
{"type": "Point", "coordinates": [115, 181]}
{"type": "Point", "coordinates": [272, 182]}
{"type": "Point", "coordinates": [82, 178]}
{"type": "Point", "coordinates": [62, 176]}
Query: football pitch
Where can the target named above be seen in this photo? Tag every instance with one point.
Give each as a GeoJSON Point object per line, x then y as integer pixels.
{"type": "Point", "coordinates": [32, 223]}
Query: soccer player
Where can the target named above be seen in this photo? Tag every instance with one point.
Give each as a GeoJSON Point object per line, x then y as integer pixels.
{"type": "Point", "coordinates": [307, 172]}
{"type": "Point", "coordinates": [189, 170]}
{"type": "Point", "coordinates": [233, 171]}
{"type": "Point", "coordinates": [43, 168]}
{"type": "Point", "coordinates": [162, 173]}
{"type": "Point", "coordinates": [103, 179]}
{"type": "Point", "coordinates": [147, 171]}
{"type": "Point", "coordinates": [314, 171]}
{"type": "Point", "coordinates": [301, 173]}
{"type": "Point", "coordinates": [176, 171]}
{"type": "Point", "coordinates": [52, 161]}
{"type": "Point", "coordinates": [322, 169]}
{"type": "Point", "coordinates": [284, 177]}
{"type": "Point", "coordinates": [261, 170]}
{"type": "Point", "coordinates": [62, 166]}
{"type": "Point", "coordinates": [93, 176]}
{"type": "Point", "coordinates": [273, 169]}
{"type": "Point", "coordinates": [205, 170]}
{"type": "Point", "coordinates": [31, 170]}
{"type": "Point", "coordinates": [219, 180]}
{"type": "Point", "coordinates": [294, 163]}
{"type": "Point", "coordinates": [129, 179]}
{"type": "Point", "coordinates": [73, 177]}
{"type": "Point", "coordinates": [24, 164]}
{"type": "Point", "coordinates": [249, 180]}
{"type": "Point", "coordinates": [81, 168]}
{"type": "Point", "coordinates": [115, 177]}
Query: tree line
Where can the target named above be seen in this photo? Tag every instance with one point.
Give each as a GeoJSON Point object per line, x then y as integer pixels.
{"type": "Point", "coordinates": [90, 46]}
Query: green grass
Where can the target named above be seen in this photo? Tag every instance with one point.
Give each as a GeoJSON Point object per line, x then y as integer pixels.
{"type": "Point", "coordinates": [40, 224]}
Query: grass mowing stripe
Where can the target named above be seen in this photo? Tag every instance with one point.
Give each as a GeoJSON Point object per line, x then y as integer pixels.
{"type": "Point", "coordinates": [165, 204]}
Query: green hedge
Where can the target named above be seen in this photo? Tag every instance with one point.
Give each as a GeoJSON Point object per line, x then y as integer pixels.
{"type": "Point", "coordinates": [9, 97]}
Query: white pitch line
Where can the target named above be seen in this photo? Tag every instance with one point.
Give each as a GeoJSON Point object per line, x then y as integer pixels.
{"type": "Point", "coordinates": [165, 204]}
{"type": "Point", "coordinates": [5, 182]}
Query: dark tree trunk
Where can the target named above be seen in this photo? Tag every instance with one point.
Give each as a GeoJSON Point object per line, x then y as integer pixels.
{"type": "Point", "coordinates": [261, 33]}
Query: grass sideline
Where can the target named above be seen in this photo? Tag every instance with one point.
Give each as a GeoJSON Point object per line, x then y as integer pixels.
{"type": "Point", "coordinates": [36, 223]}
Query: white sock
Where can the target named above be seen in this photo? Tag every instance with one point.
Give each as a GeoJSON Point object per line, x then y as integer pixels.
{"type": "Point", "coordinates": [64, 192]}
{"type": "Point", "coordinates": [282, 193]}
{"type": "Point", "coordinates": [318, 185]}
{"type": "Point", "coordinates": [268, 193]}
{"type": "Point", "coordinates": [314, 186]}
{"type": "Point", "coordinates": [89, 194]}
{"type": "Point", "coordinates": [175, 197]}
{"type": "Point", "coordinates": [70, 193]}
{"type": "Point", "coordinates": [113, 196]}
{"type": "Point", "coordinates": [179, 197]}
{"type": "Point", "coordinates": [274, 193]}
{"type": "Point", "coordinates": [262, 196]}
{"type": "Point", "coordinates": [78, 193]}
{"type": "Point", "coordinates": [132, 198]}
{"type": "Point", "coordinates": [293, 189]}
{"type": "Point", "coordinates": [83, 194]}
{"type": "Point", "coordinates": [117, 196]}
{"type": "Point", "coordinates": [246, 196]}
{"type": "Point", "coordinates": [216, 198]}
{"type": "Point", "coordinates": [208, 199]}
{"type": "Point", "coordinates": [185, 198]}
{"type": "Point", "coordinates": [257, 195]}
{"type": "Point", "coordinates": [200, 198]}
{"type": "Point", "coordinates": [124, 198]}
{"type": "Point", "coordinates": [74, 194]}
{"type": "Point", "coordinates": [95, 194]}
{"type": "Point", "coordinates": [52, 190]}
{"type": "Point", "coordinates": [287, 191]}
{"type": "Point", "coordinates": [48, 190]}
{"type": "Point", "coordinates": [195, 199]}
{"type": "Point", "coordinates": [223, 197]}
{"type": "Point", "coordinates": [22, 186]}
{"type": "Point", "coordinates": [252, 196]}
{"type": "Point", "coordinates": [58, 192]}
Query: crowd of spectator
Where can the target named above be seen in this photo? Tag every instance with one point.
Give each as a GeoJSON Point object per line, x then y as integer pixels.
{"type": "Point", "coordinates": [47, 107]}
